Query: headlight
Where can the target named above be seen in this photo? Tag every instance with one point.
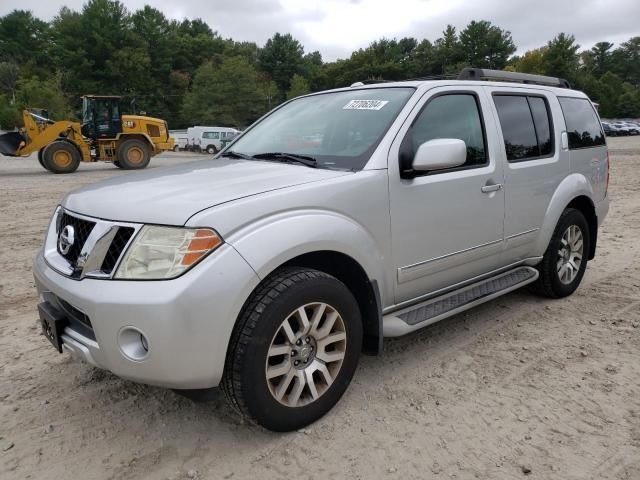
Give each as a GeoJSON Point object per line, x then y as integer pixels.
{"type": "Point", "coordinates": [166, 252]}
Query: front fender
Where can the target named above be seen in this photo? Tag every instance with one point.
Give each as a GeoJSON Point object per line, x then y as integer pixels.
{"type": "Point", "coordinates": [573, 186]}
{"type": "Point", "coordinates": [276, 239]}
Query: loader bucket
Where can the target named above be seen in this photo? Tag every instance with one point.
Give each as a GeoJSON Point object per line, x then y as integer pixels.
{"type": "Point", "coordinates": [10, 143]}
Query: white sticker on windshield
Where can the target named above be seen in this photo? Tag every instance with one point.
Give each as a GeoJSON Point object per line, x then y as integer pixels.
{"type": "Point", "coordinates": [365, 104]}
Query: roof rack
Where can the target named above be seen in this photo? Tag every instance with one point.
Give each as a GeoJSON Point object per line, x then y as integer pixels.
{"type": "Point", "coordinates": [502, 76]}
{"type": "Point", "coordinates": [369, 82]}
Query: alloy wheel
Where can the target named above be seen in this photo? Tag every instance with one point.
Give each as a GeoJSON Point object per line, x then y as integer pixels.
{"type": "Point", "coordinates": [306, 354]}
{"type": "Point", "coordinates": [570, 254]}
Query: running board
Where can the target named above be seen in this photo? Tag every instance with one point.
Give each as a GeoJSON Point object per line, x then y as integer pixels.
{"type": "Point", "coordinates": [418, 316]}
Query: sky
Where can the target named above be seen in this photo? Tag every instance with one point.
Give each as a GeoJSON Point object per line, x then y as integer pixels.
{"type": "Point", "coordinates": [337, 27]}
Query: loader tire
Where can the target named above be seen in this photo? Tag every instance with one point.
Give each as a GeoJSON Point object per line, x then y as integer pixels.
{"type": "Point", "coordinates": [133, 154]}
{"type": "Point", "coordinates": [41, 158]}
{"type": "Point", "coordinates": [61, 157]}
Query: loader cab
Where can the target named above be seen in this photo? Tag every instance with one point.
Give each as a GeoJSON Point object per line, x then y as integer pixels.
{"type": "Point", "coordinates": [101, 116]}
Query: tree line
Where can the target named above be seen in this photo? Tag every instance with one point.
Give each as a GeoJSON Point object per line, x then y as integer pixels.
{"type": "Point", "coordinates": [186, 73]}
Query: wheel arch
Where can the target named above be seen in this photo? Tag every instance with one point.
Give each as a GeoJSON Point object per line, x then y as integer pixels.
{"type": "Point", "coordinates": [575, 191]}
{"type": "Point", "coordinates": [585, 205]}
{"type": "Point", "coordinates": [364, 290]}
{"type": "Point", "coordinates": [326, 241]}
{"type": "Point", "coordinates": [122, 137]}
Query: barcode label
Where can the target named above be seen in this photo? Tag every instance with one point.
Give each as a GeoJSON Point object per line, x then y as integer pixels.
{"type": "Point", "coordinates": [365, 104]}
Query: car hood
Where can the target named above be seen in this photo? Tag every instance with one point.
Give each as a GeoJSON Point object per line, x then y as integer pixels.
{"type": "Point", "coordinates": [171, 195]}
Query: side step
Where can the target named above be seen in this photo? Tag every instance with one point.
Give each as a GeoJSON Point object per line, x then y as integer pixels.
{"type": "Point", "coordinates": [418, 316]}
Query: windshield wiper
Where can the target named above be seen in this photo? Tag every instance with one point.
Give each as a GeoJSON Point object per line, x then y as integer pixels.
{"type": "Point", "coordinates": [288, 157]}
{"type": "Point", "coordinates": [231, 153]}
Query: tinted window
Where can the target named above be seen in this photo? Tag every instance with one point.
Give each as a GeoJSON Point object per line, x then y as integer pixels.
{"type": "Point", "coordinates": [519, 133]}
{"type": "Point", "coordinates": [451, 116]}
{"type": "Point", "coordinates": [541, 117]}
{"type": "Point", "coordinates": [583, 126]}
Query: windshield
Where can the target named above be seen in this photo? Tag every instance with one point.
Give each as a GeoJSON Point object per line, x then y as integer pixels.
{"type": "Point", "coordinates": [338, 129]}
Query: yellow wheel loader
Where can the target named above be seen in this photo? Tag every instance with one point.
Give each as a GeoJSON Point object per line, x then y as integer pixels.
{"type": "Point", "coordinates": [128, 141]}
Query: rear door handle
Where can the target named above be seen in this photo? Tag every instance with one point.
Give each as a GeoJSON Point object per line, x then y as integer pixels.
{"type": "Point", "coordinates": [494, 187]}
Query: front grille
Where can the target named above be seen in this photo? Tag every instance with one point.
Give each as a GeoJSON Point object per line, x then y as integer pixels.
{"type": "Point", "coordinates": [96, 249]}
{"type": "Point", "coordinates": [82, 230]}
{"type": "Point", "coordinates": [116, 248]}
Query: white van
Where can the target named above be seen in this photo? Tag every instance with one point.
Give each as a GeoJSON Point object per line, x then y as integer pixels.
{"type": "Point", "coordinates": [180, 138]}
{"type": "Point", "coordinates": [210, 139]}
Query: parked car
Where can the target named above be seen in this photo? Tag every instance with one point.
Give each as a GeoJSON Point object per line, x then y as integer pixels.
{"type": "Point", "coordinates": [611, 130]}
{"type": "Point", "coordinates": [634, 128]}
{"type": "Point", "coordinates": [339, 219]}
{"type": "Point", "coordinates": [210, 139]}
{"type": "Point", "coordinates": [626, 129]}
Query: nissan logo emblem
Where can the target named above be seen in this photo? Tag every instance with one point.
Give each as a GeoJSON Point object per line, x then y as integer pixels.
{"type": "Point", "coordinates": [66, 239]}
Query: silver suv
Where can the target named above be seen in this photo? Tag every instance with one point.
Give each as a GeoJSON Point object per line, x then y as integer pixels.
{"type": "Point", "coordinates": [336, 220]}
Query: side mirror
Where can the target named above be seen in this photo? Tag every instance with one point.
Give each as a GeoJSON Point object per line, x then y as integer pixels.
{"type": "Point", "coordinates": [440, 153]}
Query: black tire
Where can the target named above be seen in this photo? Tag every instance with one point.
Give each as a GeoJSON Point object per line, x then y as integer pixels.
{"type": "Point", "coordinates": [117, 164]}
{"type": "Point", "coordinates": [244, 381]}
{"type": "Point", "coordinates": [212, 150]}
{"type": "Point", "coordinates": [133, 154]}
{"type": "Point", "coordinates": [61, 157]}
{"type": "Point", "coordinates": [549, 283]}
{"type": "Point", "coordinates": [41, 158]}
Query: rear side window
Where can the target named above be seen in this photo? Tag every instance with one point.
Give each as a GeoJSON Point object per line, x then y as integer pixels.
{"type": "Point", "coordinates": [452, 116]}
{"type": "Point", "coordinates": [526, 126]}
{"type": "Point", "coordinates": [583, 126]}
{"type": "Point", "coordinates": [541, 120]}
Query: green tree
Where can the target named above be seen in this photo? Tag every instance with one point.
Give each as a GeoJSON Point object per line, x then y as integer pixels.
{"type": "Point", "coordinates": [531, 62]}
{"type": "Point", "coordinates": [45, 94]}
{"type": "Point", "coordinates": [627, 61]}
{"type": "Point", "coordinates": [281, 57]}
{"type": "Point", "coordinates": [24, 41]}
{"type": "Point", "coordinates": [299, 86]}
{"type": "Point", "coordinates": [447, 52]}
{"type": "Point", "coordinates": [485, 45]}
{"type": "Point", "coordinates": [8, 79]}
{"type": "Point", "coordinates": [226, 95]}
{"type": "Point", "coordinates": [597, 61]}
{"type": "Point", "coordinates": [561, 57]}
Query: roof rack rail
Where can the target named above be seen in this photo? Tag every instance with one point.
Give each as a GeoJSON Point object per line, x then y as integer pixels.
{"type": "Point", "coordinates": [369, 82]}
{"type": "Point", "coordinates": [502, 76]}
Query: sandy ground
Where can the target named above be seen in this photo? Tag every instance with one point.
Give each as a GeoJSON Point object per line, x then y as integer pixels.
{"type": "Point", "coordinates": [519, 383]}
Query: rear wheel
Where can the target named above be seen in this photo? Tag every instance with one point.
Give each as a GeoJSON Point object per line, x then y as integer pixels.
{"type": "Point", "coordinates": [565, 260]}
{"type": "Point", "coordinates": [133, 154]}
{"type": "Point", "coordinates": [61, 157]}
{"type": "Point", "coordinates": [294, 349]}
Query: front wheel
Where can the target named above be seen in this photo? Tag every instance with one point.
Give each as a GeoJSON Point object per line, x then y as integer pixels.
{"type": "Point", "coordinates": [61, 157]}
{"type": "Point", "coordinates": [565, 260]}
{"type": "Point", "coordinates": [212, 150]}
{"type": "Point", "coordinates": [294, 349]}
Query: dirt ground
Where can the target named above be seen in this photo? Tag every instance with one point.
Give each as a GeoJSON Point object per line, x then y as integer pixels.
{"type": "Point", "coordinates": [517, 384]}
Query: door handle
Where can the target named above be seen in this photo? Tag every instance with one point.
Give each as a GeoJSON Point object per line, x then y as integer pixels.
{"type": "Point", "coordinates": [494, 187]}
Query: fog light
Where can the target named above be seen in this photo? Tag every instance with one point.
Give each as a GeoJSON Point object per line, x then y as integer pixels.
{"type": "Point", "coordinates": [133, 343]}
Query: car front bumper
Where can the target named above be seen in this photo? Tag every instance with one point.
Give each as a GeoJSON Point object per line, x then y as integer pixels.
{"type": "Point", "coordinates": [187, 321]}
